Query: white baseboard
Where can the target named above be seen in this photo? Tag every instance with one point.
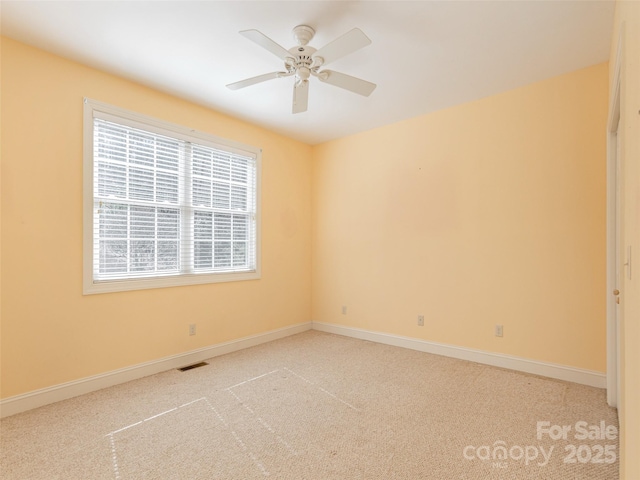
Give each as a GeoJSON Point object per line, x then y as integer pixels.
{"type": "Point", "coordinates": [38, 398]}
{"type": "Point", "coordinates": [551, 370]}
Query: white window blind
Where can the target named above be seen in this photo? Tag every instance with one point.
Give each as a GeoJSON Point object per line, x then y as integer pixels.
{"type": "Point", "coordinates": [165, 205]}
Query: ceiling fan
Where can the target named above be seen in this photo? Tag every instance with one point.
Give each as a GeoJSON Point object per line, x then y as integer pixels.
{"type": "Point", "coordinates": [303, 61]}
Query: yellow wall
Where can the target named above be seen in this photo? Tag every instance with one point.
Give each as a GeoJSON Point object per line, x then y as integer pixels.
{"type": "Point", "coordinates": [51, 333]}
{"type": "Point", "coordinates": [491, 212]}
{"type": "Point", "coordinates": [627, 29]}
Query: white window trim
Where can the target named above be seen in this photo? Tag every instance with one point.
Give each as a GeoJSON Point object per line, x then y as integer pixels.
{"type": "Point", "coordinates": [93, 108]}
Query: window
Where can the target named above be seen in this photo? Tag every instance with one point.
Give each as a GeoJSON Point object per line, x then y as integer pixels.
{"type": "Point", "coordinates": [165, 205]}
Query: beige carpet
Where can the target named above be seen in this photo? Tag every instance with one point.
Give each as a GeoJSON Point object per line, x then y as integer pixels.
{"type": "Point", "coordinates": [317, 406]}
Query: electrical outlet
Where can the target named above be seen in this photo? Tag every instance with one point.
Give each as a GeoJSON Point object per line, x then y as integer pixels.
{"type": "Point", "coordinates": [344, 309]}
{"type": "Point", "coordinates": [498, 330]}
{"type": "Point", "coordinates": [421, 320]}
{"type": "Point", "coordinates": [192, 329]}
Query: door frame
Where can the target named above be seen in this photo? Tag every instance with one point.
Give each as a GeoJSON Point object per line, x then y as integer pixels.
{"type": "Point", "coordinates": [614, 253]}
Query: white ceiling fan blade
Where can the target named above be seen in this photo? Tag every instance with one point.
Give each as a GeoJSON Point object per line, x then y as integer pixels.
{"type": "Point", "coordinates": [253, 80]}
{"type": "Point", "coordinates": [266, 43]}
{"type": "Point", "coordinates": [300, 96]}
{"type": "Point", "coordinates": [353, 84]}
{"type": "Point", "coordinates": [348, 43]}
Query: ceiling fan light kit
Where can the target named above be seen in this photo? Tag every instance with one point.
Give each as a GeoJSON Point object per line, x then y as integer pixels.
{"type": "Point", "coordinates": [303, 62]}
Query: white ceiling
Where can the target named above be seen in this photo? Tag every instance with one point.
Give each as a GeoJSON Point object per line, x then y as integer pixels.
{"type": "Point", "coordinates": [425, 55]}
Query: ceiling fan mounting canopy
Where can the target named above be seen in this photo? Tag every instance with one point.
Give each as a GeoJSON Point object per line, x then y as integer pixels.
{"type": "Point", "coordinates": [303, 34]}
{"type": "Point", "coordinates": [303, 61]}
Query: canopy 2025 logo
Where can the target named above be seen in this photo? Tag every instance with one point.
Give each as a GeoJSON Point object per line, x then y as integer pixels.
{"type": "Point", "coordinates": [600, 453]}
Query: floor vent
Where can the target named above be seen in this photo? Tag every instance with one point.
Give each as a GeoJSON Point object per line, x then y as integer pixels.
{"type": "Point", "coordinates": [195, 365]}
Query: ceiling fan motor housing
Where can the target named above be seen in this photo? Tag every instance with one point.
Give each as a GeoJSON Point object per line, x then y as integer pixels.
{"type": "Point", "coordinates": [302, 63]}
